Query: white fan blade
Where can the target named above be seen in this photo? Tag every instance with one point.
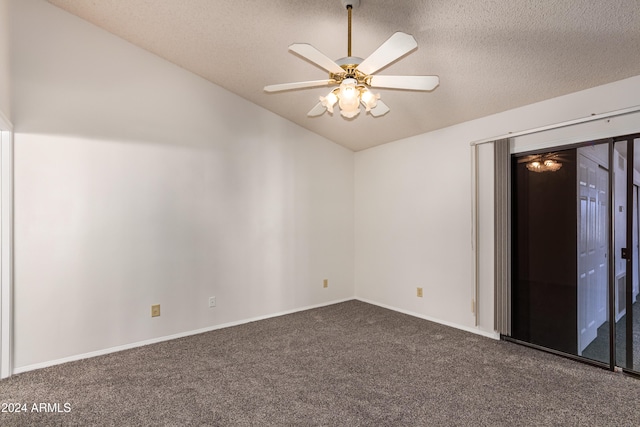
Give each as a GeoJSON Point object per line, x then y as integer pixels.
{"type": "Point", "coordinates": [314, 55]}
{"type": "Point", "coordinates": [318, 110]}
{"type": "Point", "coordinates": [396, 46]}
{"type": "Point", "coordinates": [379, 110]}
{"type": "Point", "coordinates": [406, 82]}
{"type": "Point", "coordinates": [298, 85]}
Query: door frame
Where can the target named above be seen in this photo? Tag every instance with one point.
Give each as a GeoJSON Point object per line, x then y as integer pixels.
{"type": "Point", "coordinates": [631, 250]}
{"type": "Point", "coordinates": [6, 248]}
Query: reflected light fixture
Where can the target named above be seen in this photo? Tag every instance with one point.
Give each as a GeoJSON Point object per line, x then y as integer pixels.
{"type": "Point", "coordinates": [544, 164]}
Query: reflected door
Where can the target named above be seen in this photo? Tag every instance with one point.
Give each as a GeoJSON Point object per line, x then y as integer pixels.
{"type": "Point", "coordinates": [592, 247]}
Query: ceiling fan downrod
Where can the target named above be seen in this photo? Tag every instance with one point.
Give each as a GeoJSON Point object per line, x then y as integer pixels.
{"type": "Point", "coordinates": [349, 4]}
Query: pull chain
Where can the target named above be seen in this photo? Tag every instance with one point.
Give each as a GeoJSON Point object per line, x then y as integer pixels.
{"type": "Point", "coordinates": [349, 7]}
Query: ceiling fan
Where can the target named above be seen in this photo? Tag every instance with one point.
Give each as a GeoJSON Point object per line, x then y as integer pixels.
{"type": "Point", "coordinates": [355, 76]}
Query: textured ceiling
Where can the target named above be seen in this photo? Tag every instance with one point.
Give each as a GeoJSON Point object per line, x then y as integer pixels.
{"type": "Point", "coordinates": [491, 55]}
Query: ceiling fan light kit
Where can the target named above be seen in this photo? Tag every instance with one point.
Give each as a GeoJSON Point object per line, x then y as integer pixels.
{"type": "Point", "coordinates": [354, 75]}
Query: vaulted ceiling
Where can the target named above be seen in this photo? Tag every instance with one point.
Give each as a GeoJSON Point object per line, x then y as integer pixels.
{"type": "Point", "coordinates": [491, 55]}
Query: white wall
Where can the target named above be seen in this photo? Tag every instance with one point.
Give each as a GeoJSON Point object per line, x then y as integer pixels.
{"type": "Point", "coordinates": [138, 183]}
{"type": "Point", "coordinates": [5, 95]}
{"type": "Point", "coordinates": [413, 209]}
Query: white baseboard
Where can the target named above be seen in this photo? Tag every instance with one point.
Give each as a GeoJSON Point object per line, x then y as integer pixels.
{"type": "Point", "coordinates": [477, 331]}
{"type": "Point", "coordinates": [166, 338]}
{"type": "Point", "coordinates": [240, 322]}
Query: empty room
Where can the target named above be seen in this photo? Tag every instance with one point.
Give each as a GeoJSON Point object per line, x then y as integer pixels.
{"type": "Point", "coordinates": [339, 212]}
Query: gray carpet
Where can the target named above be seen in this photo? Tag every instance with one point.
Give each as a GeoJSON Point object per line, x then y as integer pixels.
{"type": "Point", "coordinates": [348, 364]}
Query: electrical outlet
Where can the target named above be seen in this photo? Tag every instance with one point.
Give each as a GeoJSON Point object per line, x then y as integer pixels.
{"type": "Point", "coordinates": [419, 292]}
{"type": "Point", "coordinates": [155, 310]}
{"type": "Point", "coordinates": [212, 302]}
{"type": "Point", "coordinates": [325, 283]}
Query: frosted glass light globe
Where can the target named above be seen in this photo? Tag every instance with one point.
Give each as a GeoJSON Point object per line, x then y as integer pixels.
{"type": "Point", "coordinates": [329, 101]}
{"type": "Point", "coordinates": [369, 100]}
{"type": "Point", "coordinates": [349, 98]}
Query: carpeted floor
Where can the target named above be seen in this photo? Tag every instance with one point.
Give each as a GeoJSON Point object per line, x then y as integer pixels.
{"type": "Point", "coordinates": [347, 364]}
